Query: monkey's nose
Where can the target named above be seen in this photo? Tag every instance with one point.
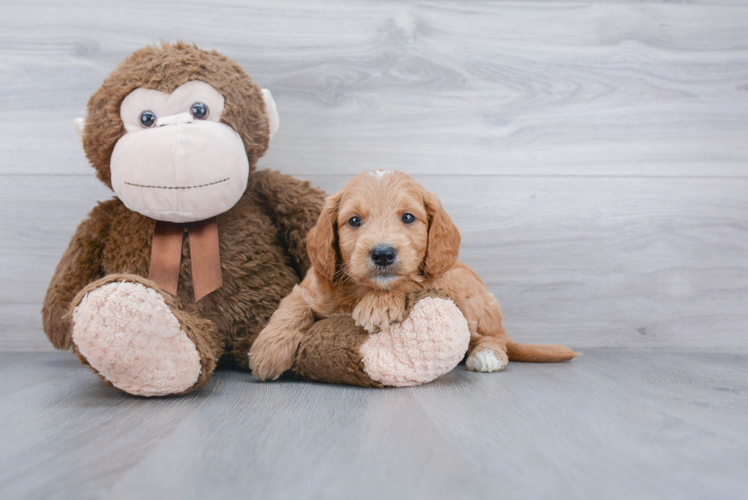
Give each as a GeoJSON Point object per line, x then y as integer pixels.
{"type": "Point", "coordinates": [174, 119]}
{"type": "Point", "coordinates": [383, 255]}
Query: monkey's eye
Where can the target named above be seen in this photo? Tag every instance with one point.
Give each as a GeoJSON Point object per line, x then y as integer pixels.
{"type": "Point", "coordinates": [354, 221]}
{"type": "Point", "coordinates": [199, 111]}
{"type": "Point", "coordinates": [408, 218]}
{"type": "Point", "coordinates": [147, 119]}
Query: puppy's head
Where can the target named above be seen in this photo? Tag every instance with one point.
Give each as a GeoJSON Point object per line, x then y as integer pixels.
{"type": "Point", "coordinates": [381, 229]}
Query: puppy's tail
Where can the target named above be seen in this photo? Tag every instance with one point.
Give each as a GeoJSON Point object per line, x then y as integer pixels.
{"type": "Point", "coordinates": [539, 353]}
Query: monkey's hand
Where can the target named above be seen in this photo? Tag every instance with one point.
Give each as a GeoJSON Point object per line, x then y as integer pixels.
{"type": "Point", "coordinates": [377, 310]}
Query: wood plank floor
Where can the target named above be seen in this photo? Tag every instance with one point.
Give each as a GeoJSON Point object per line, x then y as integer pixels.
{"type": "Point", "coordinates": [612, 424]}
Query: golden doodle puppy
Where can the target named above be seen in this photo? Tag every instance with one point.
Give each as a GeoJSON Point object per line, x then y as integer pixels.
{"type": "Point", "coordinates": [379, 238]}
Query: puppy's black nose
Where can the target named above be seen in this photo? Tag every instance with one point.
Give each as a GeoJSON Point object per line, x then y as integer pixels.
{"type": "Point", "coordinates": [383, 255]}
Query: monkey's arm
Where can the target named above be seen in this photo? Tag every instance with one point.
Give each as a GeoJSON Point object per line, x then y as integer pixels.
{"type": "Point", "coordinates": [80, 265]}
{"type": "Point", "coordinates": [293, 206]}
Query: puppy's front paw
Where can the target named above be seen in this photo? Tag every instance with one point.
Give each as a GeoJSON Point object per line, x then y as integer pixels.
{"type": "Point", "coordinates": [272, 354]}
{"type": "Point", "coordinates": [486, 361]}
{"type": "Point", "coordinates": [376, 311]}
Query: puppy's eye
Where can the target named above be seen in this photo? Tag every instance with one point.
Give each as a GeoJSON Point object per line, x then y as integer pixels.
{"type": "Point", "coordinates": [147, 119]}
{"type": "Point", "coordinates": [408, 218]}
{"type": "Point", "coordinates": [354, 221]}
{"type": "Point", "coordinates": [199, 111]}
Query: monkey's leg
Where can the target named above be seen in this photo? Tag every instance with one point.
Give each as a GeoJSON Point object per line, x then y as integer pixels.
{"type": "Point", "coordinates": [429, 342]}
{"type": "Point", "coordinates": [138, 339]}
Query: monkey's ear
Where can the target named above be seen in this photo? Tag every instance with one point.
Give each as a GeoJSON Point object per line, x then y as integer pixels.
{"type": "Point", "coordinates": [80, 124]}
{"type": "Point", "coordinates": [271, 111]}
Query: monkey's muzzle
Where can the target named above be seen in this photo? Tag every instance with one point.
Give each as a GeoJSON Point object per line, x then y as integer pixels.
{"type": "Point", "coordinates": [182, 170]}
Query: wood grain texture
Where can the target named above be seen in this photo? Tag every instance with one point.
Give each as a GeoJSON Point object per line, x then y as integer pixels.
{"type": "Point", "coordinates": [594, 155]}
{"type": "Point", "coordinates": [618, 425]}
{"type": "Point", "coordinates": [491, 87]}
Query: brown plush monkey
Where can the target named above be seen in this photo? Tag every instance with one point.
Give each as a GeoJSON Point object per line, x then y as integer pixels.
{"type": "Point", "coordinates": [176, 132]}
{"type": "Point", "coordinates": [187, 264]}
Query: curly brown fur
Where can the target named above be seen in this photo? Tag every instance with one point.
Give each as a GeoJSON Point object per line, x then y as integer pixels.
{"type": "Point", "coordinates": [262, 237]}
{"type": "Point", "coordinates": [262, 257]}
{"type": "Point", "coordinates": [326, 355]}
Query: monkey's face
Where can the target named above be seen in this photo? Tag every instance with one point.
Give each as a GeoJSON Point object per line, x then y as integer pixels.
{"type": "Point", "coordinates": [176, 130]}
{"type": "Point", "coordinates": [178, 162]}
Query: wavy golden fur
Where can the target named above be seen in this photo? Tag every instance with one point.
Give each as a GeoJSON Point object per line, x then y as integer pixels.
{"type": "Point", "coordinates": [346, 279]}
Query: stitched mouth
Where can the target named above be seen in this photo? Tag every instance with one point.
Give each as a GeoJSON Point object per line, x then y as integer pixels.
{"type": "Point", "coordinates": [177, 187]}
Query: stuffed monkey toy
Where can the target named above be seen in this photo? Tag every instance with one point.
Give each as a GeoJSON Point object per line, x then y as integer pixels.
{"type": "Point", "coordinates": [185, 266]}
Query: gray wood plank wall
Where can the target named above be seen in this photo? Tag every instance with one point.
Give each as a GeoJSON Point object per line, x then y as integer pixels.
{"type": "Point", "coordinates": [595, 156]}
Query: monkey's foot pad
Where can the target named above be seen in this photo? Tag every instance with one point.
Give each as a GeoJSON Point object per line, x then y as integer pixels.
{"type": "Point", "coordinates": [128, 334]}
{"type": "Point", "coordinates": [429, 343]}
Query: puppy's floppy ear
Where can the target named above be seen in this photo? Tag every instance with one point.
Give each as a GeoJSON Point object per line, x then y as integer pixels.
{"type": "Point", "coordinates": [322, 239]}
{"type": "Point", "coordinates": [444, 238]}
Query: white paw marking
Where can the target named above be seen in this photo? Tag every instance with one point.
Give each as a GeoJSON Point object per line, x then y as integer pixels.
{"type": "Point", "coordinates": [483, 361]}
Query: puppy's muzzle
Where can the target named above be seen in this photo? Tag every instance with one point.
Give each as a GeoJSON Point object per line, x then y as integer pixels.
{"type": "Point", "coordinates": [383, 255]}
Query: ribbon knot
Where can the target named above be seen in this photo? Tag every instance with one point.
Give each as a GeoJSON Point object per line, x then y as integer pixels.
{"type": "Point", "coordinates": [166, 256]}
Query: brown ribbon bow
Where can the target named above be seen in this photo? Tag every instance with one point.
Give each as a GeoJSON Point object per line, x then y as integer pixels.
{"type": "Point", "coordinates": [166, 256]}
